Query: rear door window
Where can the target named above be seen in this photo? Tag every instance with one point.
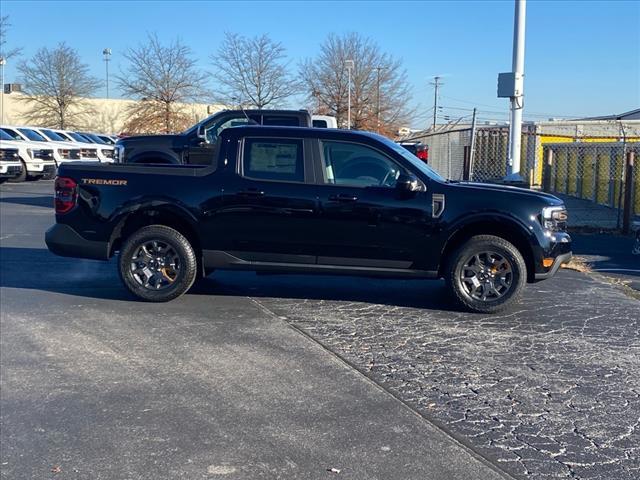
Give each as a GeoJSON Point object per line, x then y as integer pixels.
{"type": "Point", "coordinates": [273, 159]}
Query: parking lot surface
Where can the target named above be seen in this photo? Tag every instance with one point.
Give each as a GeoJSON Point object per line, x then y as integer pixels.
{"type": "Point", "coordinates": [216, 382]}
{"type": "Point", "coordinates": [96, 385]}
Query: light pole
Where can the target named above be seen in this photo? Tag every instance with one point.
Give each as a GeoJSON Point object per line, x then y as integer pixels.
{"type": "Point", "coordinates": [349, 64]}
{"type": "Point", "coordinates": [378, 97]}
{"type": "Point", "coordinates": [3, 61]}
{"type": "Point", "coordinates": [517, 94]}
{"type": "Point", "coordinates": [107, 58]}
{"type": "Point", "coordinates": [436, 83]}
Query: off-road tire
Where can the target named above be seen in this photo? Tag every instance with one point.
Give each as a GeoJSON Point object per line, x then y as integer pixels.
{"type": "Point", "coordinates": [182, 247]}
{"type": "Point", "coordinates": [484, 243]}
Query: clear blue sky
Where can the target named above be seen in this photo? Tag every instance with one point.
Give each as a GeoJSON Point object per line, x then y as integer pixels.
{"type": "Point", "coordinates": [582, 57]}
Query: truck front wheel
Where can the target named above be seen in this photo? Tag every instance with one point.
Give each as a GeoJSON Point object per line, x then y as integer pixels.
{"type": "Point", "coordinates": [157, 264]}
{"type": "Point", "coordinates": [486, 274]}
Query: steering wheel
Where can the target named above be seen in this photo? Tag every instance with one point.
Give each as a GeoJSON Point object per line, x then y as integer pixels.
{"type": "Point", "coordinates": [365, 168]}
{"type": "Point", "coordinates": [391, 172]}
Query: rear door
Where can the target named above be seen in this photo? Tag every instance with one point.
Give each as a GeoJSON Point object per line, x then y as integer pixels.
{"type": "Point", "coordinates": [269, 202]}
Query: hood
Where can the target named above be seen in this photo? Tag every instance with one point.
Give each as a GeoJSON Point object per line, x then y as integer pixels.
{"type": "Point", "coordinates": [145, 138]}
{"type": "Point", "coordinates": [23, 144]}
{"type": "Point", "coordinates": [507, 190]}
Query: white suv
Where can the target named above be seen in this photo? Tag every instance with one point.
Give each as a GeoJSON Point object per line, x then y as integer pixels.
{"type": "Point", "coordinates": [37, 160]}
{"type": "Point", "coordinates": [62, 151]}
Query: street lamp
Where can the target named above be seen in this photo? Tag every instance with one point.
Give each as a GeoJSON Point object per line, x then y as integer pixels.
{"type": "Point", "coordinates": [349, 64]}
{"type": "Point", "coordinates": [3, 61]}
{"type": "Point", "coordinates": [107, 57]}
{"type": "Point", "coordinates": [378, 68]}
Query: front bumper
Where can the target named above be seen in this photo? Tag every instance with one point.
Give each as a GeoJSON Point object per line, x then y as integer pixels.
{"type": "Point", "coordinates": [557, 263]}
{"type": "Point", "coordinates": [10, 171]}
{"type": "Point", "coordinates": [63, 240]}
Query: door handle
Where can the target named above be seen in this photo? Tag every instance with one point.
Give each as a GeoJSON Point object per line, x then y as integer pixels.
{"type": "Point", "coordinates": [252, 192]}
{"type": "Point", "coordinates": [342, 197]}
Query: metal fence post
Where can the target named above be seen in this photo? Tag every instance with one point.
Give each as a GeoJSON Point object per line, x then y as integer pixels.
{"type": "Point", "coordinates": [628, 191]}
{"type": "Point", "coordinates": [546, 172]}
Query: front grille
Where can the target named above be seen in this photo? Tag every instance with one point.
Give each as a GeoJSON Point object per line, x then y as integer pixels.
{"type": "Point", "coordinates": [89, 153]}
{"type": "Point", "coordinates": [9, 154]}
{"type": "Point", "coordinates": [43, 154]}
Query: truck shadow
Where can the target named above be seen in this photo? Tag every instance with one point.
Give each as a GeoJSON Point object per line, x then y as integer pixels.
{"type": "Point", "coordinates": [39, 201]}
{"type": "Point", "coordinates": [38, 269]}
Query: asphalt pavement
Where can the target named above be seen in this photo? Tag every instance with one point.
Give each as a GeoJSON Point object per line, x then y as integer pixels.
{"type": "Point", "coordinates": [96, 385]}
{"type": "Point", "coordinates": [287, 376]}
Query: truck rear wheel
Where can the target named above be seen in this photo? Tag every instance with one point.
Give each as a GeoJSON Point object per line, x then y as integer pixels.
{"type": "Point", "coordinates": [157, 264]}
{"type": "Point", "coordinates": [486, 274]}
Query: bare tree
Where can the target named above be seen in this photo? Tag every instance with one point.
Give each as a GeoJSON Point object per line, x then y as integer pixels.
{"type": "Point", "coordinates": [253, 71]}
{"type": "Point", "coordinates": [4, 28]}
{"type": "Point", "coordinates": [161, 77]}
{"type": "Point", "coordinates": [380, 91]}
{"type": "Point", "coordinates": [56, 84]}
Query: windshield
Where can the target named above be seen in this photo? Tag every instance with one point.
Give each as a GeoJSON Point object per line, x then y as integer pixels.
{"type": "Point", "coordinates": [77, 137]}
{"type": "Point", "coordinates": [106, 139]}
{"type": "Point", "coordinates": [415, 161]}
{"type": "Point", "coordinates": [33, 135]}
{"type": "Point", "coordinates": [5, 136]}
{"type": "Point", "coordinates": [13, 134]}
{"type": "Point", "coordinates": [51, 135]}
{"type": "Point", "coordinates": [94, 138]}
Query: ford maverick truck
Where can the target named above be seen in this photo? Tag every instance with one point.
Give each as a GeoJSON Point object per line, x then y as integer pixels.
{"type": "Point", "coordinates": [308, 200]}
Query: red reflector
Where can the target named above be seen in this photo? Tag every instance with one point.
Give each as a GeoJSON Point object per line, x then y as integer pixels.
{"type": "Point", "coordinates": [66, 194]}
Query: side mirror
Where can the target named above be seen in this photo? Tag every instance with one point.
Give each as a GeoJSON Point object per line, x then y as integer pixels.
{"type": "Point", "coordinates": [408, 184]}
{"type": "Point", "coordinates": [202, 133]}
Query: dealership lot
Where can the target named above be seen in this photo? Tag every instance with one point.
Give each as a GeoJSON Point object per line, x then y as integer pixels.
{"type": "Point", "coordinates": [219, 383]}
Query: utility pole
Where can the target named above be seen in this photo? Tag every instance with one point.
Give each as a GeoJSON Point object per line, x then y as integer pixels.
{"type": "Point", "coordinates": [107, 58]}
{"type": "Point", "coordinates": [378, 98]}
{"type": "Point", "coordinates": [349, 64]}
{"type": "Point", "coordinates": [516, 97]}
{"type": "Point", "coordinates": [436, 83]}
{"type": "Point", "coordinates": [3, 61]}
{"type": "Point", "coordinates": [472, 147]}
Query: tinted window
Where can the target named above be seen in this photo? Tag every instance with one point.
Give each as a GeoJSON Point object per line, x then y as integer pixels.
{"type": "Point", "coordinates": [77, 137]}
{"type": "Point", "coordinates": [320, 124]}
{"type": "Point", "coordinates": [106, 140]}
{"type": "Point", "coordinates": [270, 159]}
{"type": "Point", "coordinates": [358, 165]}
{"type": "Point", "coordinates": [32, 135]}
{"type": "Point", "coordinates": [282, 121]}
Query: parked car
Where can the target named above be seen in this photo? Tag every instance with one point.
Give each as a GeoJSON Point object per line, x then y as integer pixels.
{"type": "Point", "coordinates": [324, 121]}
{"type": "Point", "coordinates": [90, 150]}
{"type": "Point", "coordinates": [10, 164]}
{"type": "Point", "coordinates": [308, 200]}
{"type": "Point", "coordinates": [196, 145]}
{"type": "Point", "coordinates": [419, 149]}
{"type": "Point", "coordinates": [37, 161]}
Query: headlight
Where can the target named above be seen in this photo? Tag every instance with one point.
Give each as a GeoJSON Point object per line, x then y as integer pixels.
{"type": "Point", "coordinates": [64, 153]}
{"type": "Point", "coordinates": [107, 152]}
{"type": "Point", "coordinates": [118, 153]}
{"type": "Point", "coordinates": [554, 218]}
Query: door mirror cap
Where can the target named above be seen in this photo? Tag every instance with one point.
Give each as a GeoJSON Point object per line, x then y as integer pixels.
{"type": "Point", "coordinates": [408, 184]}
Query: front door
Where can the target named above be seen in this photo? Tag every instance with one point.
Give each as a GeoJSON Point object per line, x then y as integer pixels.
{"type": "Point", "coordinates": [364, 220]}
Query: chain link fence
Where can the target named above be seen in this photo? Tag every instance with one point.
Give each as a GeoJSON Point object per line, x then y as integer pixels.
{"type": "Point", "coordinates": [583, 162]}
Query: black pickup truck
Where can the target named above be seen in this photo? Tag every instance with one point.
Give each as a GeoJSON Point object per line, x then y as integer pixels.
{"type": "Point", "coordinates": [305, 200]}
{"type": "Point", "coordinates": [196, 146]}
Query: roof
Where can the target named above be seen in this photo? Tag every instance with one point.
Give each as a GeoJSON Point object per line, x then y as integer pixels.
{"type": "Point", "coordinates": [630, 115]}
